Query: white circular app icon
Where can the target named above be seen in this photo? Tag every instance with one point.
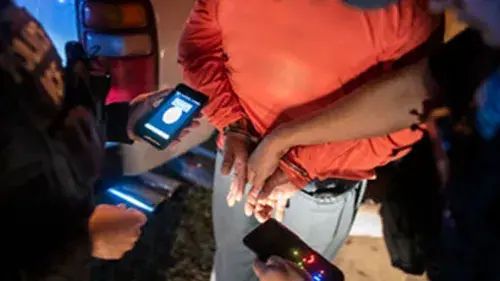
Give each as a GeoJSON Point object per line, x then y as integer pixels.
{"type": "Point", "coordinates": [171, 115]}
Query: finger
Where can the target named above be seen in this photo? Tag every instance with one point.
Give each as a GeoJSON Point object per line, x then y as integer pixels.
{"type": "Point", "coordinates": [140, 217]}
{"type": "Point", "coordinates": [276, 179]}
{"type": "Point", "coordinates": [259, 268]}
{"type": "Point", "coordinates": [280, 209]}
{"type": "Point", "coordinates": [140, 106]}
{"type": "Point", "coordinates": [250, 175]}
{"type": "Point", "coordinates": [195, 124]}
{"type": "Point", "coordinates": [264, 209]}
{"type": "Point", "coordinates": [227, 163]}
{"type": "Point", "coordinates": [241, 177]}
{"type": "Point", "coordinates": [250, 206]}
{"type": "Point", "coordinates": [252, 197]}
{"type": "Point", "coordinates": [141, 98]}
{"type": "Point", "coordinates": [183, 134]}
{"type": "Point", "coordinates": [132, 238]}
{"type": "Point", "coordinates": [257, 174]}
{"type": "Point", "coordinates": [263, 214]}
{"type": "Point", "coordinates": [125, 241]}
{"type": "Point", "coordinates": [136, 217]}
{"type": "Point", "coordinates": [121, 206]}
{"type": "Point", "coordinates": [124, 246]}
{"type": "Point", "coordinates": [260, 207]}
{"type": "Point", "coordinates": [230, 198]}
{"type": "Point", "coordinates": [132, 136]}
{"type": "Point", "coordinates": [250, 203]}
{"type": "Point", "coordinates": [151, 95]}
{"type": "Point", "coordinates": [257, 184]}
{"type": "Point", "coordinates": [174, 143]}
{"type": "Point", "coordinates": [275, 261]}
{"type": "Point", "coordinates": [239, 181]}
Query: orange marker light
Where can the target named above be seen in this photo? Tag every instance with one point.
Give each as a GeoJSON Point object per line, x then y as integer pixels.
{"type": "Point", "coordinates": [114, 16]}
{"type": "Point", "coordinates": [133, 15]}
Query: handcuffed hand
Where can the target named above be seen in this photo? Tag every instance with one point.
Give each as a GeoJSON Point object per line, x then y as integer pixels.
{"type": "Point", "coordinates": [236, 150]}
{"type": "Point", "coordinates": [270, 186]}
{"type": "Point", "coordinates": [264, 160]}
{"type": "Point", "coordinates": [272, 198]}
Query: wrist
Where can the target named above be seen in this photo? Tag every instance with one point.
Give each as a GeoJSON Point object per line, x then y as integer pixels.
{"type": "Point", "coordinates": [242, 128]}
{"type": "Point", "coordinates": [285, 137]}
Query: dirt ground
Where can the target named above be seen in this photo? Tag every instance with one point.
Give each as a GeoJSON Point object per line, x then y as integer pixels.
{"type": "Point", "coordinates": [364, 256]}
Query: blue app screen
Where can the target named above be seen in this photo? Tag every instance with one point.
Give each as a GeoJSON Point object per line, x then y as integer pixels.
{"type": "Point", "coordinates": [168, 120]}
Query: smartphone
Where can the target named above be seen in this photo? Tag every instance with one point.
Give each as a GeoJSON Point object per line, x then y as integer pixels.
{"type": "Point", "coordinates": [168, 118]}
{"type": "Point", "coordinates": [274, 239]}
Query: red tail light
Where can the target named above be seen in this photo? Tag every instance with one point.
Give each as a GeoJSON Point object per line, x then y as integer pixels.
{"type": "Point", "coordinates": [125, 33]}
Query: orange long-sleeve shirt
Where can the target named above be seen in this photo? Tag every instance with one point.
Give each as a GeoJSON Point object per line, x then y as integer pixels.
{"type": "Point", "coordinates": [271, 61]}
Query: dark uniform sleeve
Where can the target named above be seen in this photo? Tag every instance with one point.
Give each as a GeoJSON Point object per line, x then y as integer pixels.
{"type": "Point", "coordinates": [117, 121]}
{"type": "Point", "coordinates": [44, 202]}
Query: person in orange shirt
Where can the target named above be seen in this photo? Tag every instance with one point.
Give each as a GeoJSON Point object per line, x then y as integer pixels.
{"type": "Point", "coordinates": [266, 63]}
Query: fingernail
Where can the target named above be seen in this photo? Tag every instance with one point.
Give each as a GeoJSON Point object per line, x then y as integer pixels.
{"type": "Point", "coordinates": [230, 198]}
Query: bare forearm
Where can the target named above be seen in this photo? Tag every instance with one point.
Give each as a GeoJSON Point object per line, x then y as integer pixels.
{"type": "Point", "coordinates": [374, 109]}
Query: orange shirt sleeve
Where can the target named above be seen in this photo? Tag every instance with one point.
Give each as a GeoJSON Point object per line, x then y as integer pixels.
{"type": "Point", "coordinates": [357, 159]}
{"type": "Point", "coordinates": [202, 58]}
{"type": "Point", "coordinates": [352, 160]}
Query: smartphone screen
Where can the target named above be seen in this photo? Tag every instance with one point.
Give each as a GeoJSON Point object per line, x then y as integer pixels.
{"type": "Point", "coordinates": [171, 116]}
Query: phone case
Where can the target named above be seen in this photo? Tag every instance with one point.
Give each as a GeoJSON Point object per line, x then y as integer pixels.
{"type": "Point", "coordinates": [274, 239]}
{"type": "Point", "coordinates": [140, 131]}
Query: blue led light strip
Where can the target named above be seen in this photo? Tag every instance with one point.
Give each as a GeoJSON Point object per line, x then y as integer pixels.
{"type": "Point", "coordinates": [131, 200]}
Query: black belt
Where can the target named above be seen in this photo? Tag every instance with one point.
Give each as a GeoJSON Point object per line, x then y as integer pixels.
{"type": "Point", "coordinates": [330, 186]}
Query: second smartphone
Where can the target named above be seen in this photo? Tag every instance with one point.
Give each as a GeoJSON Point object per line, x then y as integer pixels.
{"type": "Point", "coordinates": [168, 118]}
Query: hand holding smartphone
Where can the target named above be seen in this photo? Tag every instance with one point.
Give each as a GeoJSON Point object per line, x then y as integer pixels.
{"type": "Point", "coordinates": [170, 112]}
{"type": "Point", "coordinates": [274, 239]}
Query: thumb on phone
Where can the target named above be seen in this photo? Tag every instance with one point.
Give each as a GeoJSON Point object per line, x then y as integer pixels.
{"type": "Point", "coordinates": [259, 268]}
